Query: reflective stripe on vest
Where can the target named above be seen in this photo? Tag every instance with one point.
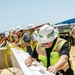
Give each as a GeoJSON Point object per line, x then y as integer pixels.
{"type": "Point", "coordinates": [35, 32]}
{"type": "Point", "coordinates": [54, 55]}
{"type": "Point", "coordinates": [21, 40]}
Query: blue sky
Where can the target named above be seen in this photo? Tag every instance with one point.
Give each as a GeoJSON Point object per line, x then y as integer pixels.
{"type": "Point", "coordinates": [23, 12]}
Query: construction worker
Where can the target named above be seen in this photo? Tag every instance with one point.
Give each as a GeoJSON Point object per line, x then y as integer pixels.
{"type": "Point", "coordinates": [14, 39]}
{"type": "Point", "coordinates": [33, 35]}
{"type": "Point", "coordinates": [19, 33]}
{"type": "Point", "coordinates": [24, 40]}
{"type": "Point", "coordinates": [55, 56]}
{"type": "Point", "coordinates": [26, 43]}
{"type": "Point", "coordinates": [29, 39]}
{"type": "Point", "coordinates": [11, 35]}
{"type": "Point", "coordinates": [5, 39]}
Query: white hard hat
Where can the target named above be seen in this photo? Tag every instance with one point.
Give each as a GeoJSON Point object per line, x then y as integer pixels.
{"type": "Point", "coordinates": [12, 30]}
{"type": "Point", "coordinates": [30, 26]}
{"type": "Point", "coordinates": [47, 34]}
{"type": "Point", "coordinates": [18, 28]}
{"type": "Point", "coordinates": [6, 34]}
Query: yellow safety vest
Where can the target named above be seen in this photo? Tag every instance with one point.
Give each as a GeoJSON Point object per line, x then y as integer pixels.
{"type": "Point", "coordinates": [11, 38]}
{"type": "Point", "coordinates": [54, 55]}
{"type": "Point", "coordinates": [21, 42]}
{"type": "Point", "coordinates": [32, 42]}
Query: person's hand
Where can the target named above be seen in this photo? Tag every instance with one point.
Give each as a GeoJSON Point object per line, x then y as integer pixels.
{"type": "Point", "coordinates": [28, 61]}
{"type": "Point", "coordinates": [52, 69]}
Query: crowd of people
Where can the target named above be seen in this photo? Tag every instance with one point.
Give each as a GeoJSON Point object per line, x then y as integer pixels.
{"type": "Point", "coordinates": [44, 45]}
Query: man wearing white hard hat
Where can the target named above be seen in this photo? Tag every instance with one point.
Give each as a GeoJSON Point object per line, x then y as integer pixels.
{"type": "Point", "coordinates": [27, 41]}
{"type": "Point", "coordinates": [18, 28]}
{"type": "Point", "coordinates": [18, 34]}
{"type": "Point", "coordinates": [55, 55]}
{"type": "Point", "coordinates": [30, 26]}
{"type": "Point", "coordinates": [33, 35]}
{"type": "Point", "coordinates": [19, 31]}
{"type": "Point", "coordinates": [11, 35]}
{"type": "Point", "coordinates": [12, 30]}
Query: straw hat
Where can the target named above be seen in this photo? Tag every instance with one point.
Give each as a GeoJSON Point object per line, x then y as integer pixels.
{"type": "Point", "coordinates": [47, 34]}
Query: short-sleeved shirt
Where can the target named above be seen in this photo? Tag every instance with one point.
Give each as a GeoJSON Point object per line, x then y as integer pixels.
{"type": "Point", "coordinates": [34, 37]}
{"type": "Point", "coordinates": [64, 51]}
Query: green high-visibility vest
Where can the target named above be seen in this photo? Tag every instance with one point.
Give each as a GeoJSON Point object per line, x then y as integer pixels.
{"type": "Point", "coordinates": [54, 55]}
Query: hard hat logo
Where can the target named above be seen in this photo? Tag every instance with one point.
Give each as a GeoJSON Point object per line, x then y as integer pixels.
{"type": "Point", "coordinates": [51, 34]}
{"type": "Point", "coordinates": [48, 35]}
{"type": "Point", "coordinates": [41, 36]}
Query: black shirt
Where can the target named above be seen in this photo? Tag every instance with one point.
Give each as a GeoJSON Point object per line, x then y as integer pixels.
{"type": "Point", "coordinates": [64, 50]}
